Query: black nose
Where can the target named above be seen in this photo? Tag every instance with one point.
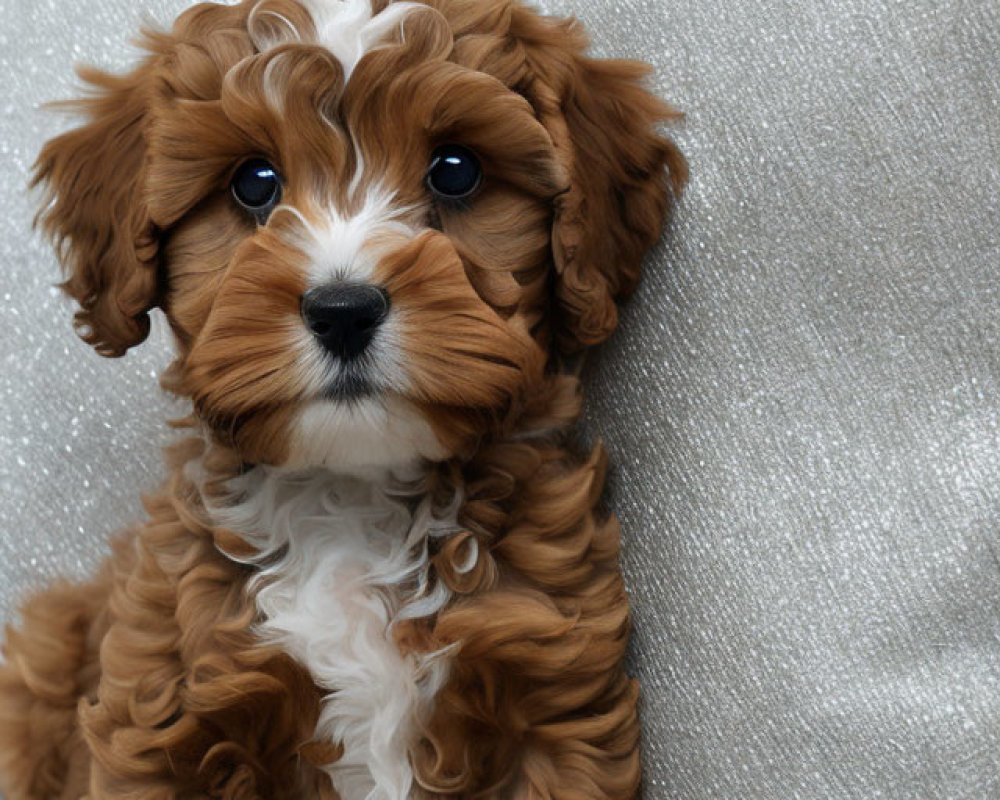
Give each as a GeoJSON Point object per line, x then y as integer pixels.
{"type": "Point", "coordinates": [345, 316]}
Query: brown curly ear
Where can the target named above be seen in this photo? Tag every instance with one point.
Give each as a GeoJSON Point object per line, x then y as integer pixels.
{"type": "Point", "coordinates": [95, 213]}
{"type": "Point", "coordinates": [623, 173]}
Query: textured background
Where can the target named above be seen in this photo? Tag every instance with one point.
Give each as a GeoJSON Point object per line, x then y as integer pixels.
{"type": "Point", "coordinates": [802, 404]}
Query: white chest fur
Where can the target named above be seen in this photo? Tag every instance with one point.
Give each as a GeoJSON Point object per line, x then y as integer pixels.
{"type": "Point", "coordinates": [342, 562]}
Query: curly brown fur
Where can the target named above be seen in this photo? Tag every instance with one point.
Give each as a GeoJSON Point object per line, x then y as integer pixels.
{"type": "Point", "coordinates": [539, 704]}
{"type": "Point", "coordinates": [184, 670]}
{"type": "Point", "coordinates": [180, 701]}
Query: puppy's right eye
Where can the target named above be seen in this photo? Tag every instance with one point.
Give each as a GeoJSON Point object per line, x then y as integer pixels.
{"type": "Point", "coordinates": [455, 172]}
{"type": "Point", "coordinates": [257, 187]}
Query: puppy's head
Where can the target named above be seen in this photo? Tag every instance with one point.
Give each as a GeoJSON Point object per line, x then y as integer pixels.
{"type": "Point", "coordinates": [371, 225]}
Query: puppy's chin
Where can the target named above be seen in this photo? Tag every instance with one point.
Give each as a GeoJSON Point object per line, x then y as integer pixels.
{"type": "Point", "coordinates": [373, 436]}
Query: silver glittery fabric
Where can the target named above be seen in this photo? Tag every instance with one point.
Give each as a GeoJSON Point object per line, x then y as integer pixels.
{"type": "Point", "coordinates": [802, 404]}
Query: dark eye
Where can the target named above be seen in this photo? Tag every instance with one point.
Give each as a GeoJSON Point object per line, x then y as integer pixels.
{"type": "Point", "coordinates": [256, 186]}
{"type": "Point", "coordinates": [455, 172]}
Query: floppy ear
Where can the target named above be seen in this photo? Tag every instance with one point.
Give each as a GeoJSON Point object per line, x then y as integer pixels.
{"type": "Point", "coordinates": [95, 213]}
{"type": "Point", "coordinates": [624, 175]}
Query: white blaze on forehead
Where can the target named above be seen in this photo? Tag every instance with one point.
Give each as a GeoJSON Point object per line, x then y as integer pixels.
{"type": "Point", "coordinates": [348, 29]}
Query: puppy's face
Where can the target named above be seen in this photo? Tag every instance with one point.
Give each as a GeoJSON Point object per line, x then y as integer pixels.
{"type": "Point", "coordinates": [359, 238]}
{"type": "Point", "coordinates": [369, 224]}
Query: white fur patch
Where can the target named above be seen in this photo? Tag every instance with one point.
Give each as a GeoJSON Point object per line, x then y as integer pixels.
{"type": "Point", "coordinates": [368, 437]}
{"type": "Point", "coordinates": [348, 29]}
{"type": "Point", "coordinates": [343, 561]}
{"type": "Point", "coordinates": [345, 248]}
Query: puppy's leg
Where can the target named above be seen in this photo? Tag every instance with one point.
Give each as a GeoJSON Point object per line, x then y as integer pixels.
{"type": "Point", "coordinates": [50, 664]}
{"type": "Point", "coordinates": [539, 706]}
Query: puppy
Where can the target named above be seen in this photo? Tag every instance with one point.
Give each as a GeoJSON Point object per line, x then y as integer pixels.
{"type": "Point", "coordinates": [376, 230]}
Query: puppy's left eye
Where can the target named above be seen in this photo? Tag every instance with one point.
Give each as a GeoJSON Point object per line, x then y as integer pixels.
{"type": "Point", "coordinates": [257, 187]}
{"type": "Point", "coordinates": [454, 173]}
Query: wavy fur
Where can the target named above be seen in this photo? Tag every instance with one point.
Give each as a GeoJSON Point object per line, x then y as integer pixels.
{"type": "Point", "coordinates": [341, 563]}
{"type": "Point", "coordinates": [412, 593]}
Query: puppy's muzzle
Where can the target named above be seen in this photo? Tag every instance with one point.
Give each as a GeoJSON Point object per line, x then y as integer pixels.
{"type": "Point", "coordinates": [344, 316]}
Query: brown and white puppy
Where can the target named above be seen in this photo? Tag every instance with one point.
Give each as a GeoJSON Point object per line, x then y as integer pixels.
{"type": "Point", "coordinates": [376, 571]}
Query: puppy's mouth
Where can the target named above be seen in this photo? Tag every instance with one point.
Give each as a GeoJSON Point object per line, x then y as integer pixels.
{"type": "Point", "coordinates": [352, 384]}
